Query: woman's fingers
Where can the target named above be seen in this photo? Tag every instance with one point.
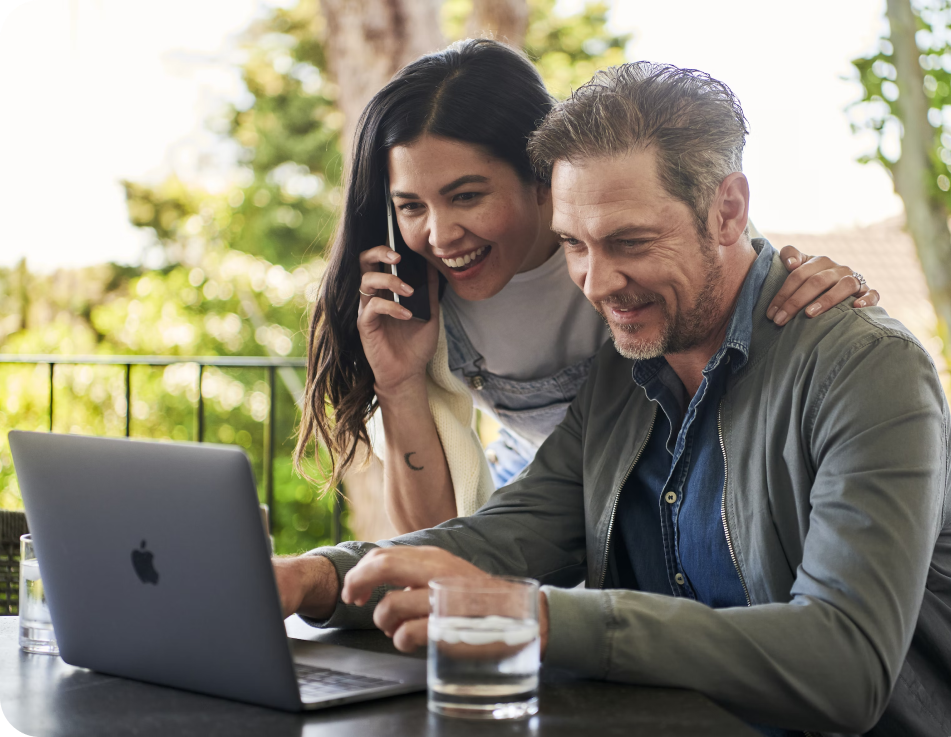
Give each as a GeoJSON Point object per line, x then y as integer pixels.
{"type": "Point", "coordinates": [371, 258]}
{"type": "Point", "coordinates": [377, 306]}
{"type": "Point", "coordinates": [869, 299]}
{"type": "Point", "coordinates": [841, 290]}
{"type": "Point", "coordinates": [399, 606]}
{"type": "Point", "coordinates": [792, 257]}
{"type": "Point", "coordinates": [373, 282]}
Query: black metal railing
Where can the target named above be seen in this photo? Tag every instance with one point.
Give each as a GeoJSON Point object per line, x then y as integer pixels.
{"type": "Point", "coordinates": [271, 365]}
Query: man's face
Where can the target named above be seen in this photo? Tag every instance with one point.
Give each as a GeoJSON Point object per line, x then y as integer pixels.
{"type": "Point", "coordinates": [635, 252]}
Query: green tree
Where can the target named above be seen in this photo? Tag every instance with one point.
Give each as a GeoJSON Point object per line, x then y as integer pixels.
{"type": "Point", "coordinates": [906, 91]}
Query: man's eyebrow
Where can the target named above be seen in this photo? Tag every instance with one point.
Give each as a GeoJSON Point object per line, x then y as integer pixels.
{"type": "Point", "coordinates": [629, 230]}
{"type": "Point", "coordinates": [467, 179]}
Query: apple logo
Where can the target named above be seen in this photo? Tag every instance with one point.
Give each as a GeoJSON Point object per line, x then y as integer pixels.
{"type": "Point", "coordinates": [142, 562]}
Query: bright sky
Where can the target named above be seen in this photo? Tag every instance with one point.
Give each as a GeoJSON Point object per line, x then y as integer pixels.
{"type": "Point", "coordinates": [95, 91]}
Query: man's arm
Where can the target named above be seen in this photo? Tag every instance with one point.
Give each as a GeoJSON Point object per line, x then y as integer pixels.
{"type": "Point", "coordinates": [534, 527]}
{"type": "Point", "coordinates": [308, 585]}
{"type": "Point", "coordinates": [828, 659]}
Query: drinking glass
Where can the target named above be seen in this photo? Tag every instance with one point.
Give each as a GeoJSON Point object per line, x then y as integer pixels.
{"type": "Point", "coordinates": [36, 627]}
{"type": "Point", "coordinates": [483, 647]}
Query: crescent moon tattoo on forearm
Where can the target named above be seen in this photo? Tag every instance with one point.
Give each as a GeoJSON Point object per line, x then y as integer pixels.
{"type": "Point", "coordinates": [406, 458]}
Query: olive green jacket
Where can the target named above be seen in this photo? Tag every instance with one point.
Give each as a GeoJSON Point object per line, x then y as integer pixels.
{"type": "Point", "coordinates": [836, 507]}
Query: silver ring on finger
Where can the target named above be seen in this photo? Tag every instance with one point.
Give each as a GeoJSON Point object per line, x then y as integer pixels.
{"type": "Point", "coordinates": [859, 278]}
{"type": "Point", "coordinates": [365, 294]}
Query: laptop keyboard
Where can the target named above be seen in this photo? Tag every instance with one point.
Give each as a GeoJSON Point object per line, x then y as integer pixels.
{"type": "Point", "coordinates": [316, 682]}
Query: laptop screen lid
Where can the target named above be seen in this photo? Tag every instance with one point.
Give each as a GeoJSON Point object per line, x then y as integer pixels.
{"type": "Point", "coordinates": [155, 563]}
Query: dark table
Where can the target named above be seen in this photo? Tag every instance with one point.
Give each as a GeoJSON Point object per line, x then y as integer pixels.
{"type": "Point", "coordinates": [44, 697]}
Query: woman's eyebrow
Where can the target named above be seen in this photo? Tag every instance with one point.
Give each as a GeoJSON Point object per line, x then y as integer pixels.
{"type": "Point", "coordinates": [467, 179]}
{"type": "Point", "coordinates": [455, 184]}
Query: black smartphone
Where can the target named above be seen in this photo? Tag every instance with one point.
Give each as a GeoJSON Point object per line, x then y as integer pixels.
{"type": "Point", "coordinates": [412, 268]}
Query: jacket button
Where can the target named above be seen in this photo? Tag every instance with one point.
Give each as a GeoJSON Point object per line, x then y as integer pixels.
{"type": "Point", "coordinates": [477, 382]}
{"type": "Point", "coordinates": [670, 497]}
{"type": "Point", "coordinates": [679, 578]}
{"type": "Point", "coordinates": [491, 456]}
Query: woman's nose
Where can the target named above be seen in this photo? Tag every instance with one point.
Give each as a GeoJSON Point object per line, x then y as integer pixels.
{"type": "Point", "coordinates": [444, 231]}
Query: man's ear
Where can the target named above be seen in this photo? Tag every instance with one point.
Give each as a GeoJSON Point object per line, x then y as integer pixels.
{"type": "Point", "coordinates": [542, 193]}
{"type": "Point", "coordinates": [732, 208]}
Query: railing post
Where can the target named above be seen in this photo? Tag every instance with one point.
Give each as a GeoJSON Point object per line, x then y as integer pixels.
{"type": "Point", "coordinates": [269, 447]}
{"type": "Point", "coordinates": [201, 406]}
{"type": "Point", "coordinates": [128, 399]}
{"type": "Point", "coordinates": [52, 366]}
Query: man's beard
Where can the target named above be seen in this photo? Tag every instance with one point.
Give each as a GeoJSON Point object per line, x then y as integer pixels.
{"type": "Point", "coordinates": [679, 333]}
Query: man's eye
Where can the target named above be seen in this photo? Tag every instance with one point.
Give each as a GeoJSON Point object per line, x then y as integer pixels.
{"type": "Point", "coordinates": [569, 241]}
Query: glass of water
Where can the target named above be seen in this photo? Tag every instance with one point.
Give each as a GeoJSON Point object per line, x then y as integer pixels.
{"type": "Point", "coordinates": [483, 647]}
{"type": "Point", "coordinates": [36, 627]}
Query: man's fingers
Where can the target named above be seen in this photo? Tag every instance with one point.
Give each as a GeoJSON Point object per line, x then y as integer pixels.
{"type": "Point", "coordinates": [402, 566]}
{"type": "Point", "coordinates": [411, 635]}
{"type": "Point", "coordinates": [398, 607]}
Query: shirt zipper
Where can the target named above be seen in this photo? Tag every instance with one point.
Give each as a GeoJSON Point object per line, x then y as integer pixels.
{"type": "Point", "coordinates": [726, 527]}
{"type": "Point", "coordinates": [617, 497]}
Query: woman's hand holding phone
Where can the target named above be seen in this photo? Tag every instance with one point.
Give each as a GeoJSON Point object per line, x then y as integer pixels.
{"type": "Point", "coordinates": [396, 346]}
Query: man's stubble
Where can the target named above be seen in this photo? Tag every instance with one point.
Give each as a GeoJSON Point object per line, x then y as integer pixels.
{"type": "Point", "coordinates": [681, 332]}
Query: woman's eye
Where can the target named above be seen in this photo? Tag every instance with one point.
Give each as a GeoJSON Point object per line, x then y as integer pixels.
{"type": "Point", "coordinates": [466, 196]}
{"type": "Point", "coordinates": [409, 207]}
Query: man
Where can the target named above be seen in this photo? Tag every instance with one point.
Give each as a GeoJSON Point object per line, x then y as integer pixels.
{"type": "Point", "coordinates": [760, 514]}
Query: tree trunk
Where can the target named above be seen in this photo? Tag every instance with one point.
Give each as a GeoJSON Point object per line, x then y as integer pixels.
{"type": "Point", "coordinates": [368, 41]}
{"type": "Point", "coordinates": [504, 20]}
{"type": "Point", "coordinates": [913, 173]}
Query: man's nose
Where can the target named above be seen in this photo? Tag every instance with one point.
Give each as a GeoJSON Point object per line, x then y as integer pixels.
{"type": "Point", "coordinates": [603, 277]}
{"type": "Point", "coordinates": [443, 231]}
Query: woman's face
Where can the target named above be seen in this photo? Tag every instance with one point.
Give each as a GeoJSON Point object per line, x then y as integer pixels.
{"type": "Point", "coordinates": [469, 214]}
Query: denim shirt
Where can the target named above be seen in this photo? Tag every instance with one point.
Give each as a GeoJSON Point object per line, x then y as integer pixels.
{"type": "Point", "coordinates": [669, 515]}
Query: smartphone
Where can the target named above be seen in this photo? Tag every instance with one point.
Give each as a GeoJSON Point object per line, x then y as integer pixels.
{"type": "Point", "coordinates": [412, 268]}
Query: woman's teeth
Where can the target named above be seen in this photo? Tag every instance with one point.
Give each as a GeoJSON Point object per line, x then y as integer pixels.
{"type": "Point", "coordinates": [458, 263]}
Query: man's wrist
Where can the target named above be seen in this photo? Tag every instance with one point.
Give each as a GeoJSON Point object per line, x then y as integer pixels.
{"type": "Point", "coordinates": [320, 586]}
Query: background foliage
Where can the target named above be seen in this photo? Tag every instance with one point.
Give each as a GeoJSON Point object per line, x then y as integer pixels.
{"type": "Point", "coordinates": [240, 266]}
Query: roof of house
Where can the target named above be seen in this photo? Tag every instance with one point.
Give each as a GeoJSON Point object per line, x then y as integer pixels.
{"type": "Point", "coordinates": [885, 255]}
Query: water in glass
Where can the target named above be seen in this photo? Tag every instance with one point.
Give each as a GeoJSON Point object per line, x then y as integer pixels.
{"type": "Point", "coordinates": [485, 666]}
{"type": "Point", "coordinates": [36, 627]}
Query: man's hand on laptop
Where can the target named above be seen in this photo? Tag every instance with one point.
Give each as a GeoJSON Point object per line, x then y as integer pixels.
{"type": "Point", "coordinates": [403, 615]}
{"type": "Point", "coordinates": [307, 585]}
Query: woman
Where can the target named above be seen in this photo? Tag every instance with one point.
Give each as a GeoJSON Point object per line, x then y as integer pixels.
{"type": "Point", "coordinates": [511, 332]}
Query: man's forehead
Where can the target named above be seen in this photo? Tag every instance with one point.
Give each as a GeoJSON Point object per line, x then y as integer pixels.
{"type": "Point", "coordinates": [607, 192]}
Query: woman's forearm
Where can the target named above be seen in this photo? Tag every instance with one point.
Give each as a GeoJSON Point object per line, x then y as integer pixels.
{"type": "Point", "coordinates": [417, 487]}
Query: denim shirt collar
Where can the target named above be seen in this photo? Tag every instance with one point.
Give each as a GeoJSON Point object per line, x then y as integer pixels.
{"type": "Point", "coordinates": [739, 332]}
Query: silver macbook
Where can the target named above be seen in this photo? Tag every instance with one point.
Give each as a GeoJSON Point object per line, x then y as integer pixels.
{"type": "Point", "coordinates": [156, 567]}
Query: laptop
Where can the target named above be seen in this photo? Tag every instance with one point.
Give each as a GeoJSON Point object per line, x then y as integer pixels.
{"type": "Point", "coordinates": [156, 567]}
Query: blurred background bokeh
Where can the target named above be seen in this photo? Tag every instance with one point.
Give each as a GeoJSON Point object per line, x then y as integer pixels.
{"type": "Point", "coordinates": [170, 175]}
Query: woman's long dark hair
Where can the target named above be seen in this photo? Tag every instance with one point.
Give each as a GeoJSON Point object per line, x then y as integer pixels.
{"type": "Point", "coordinates": [477, 91]}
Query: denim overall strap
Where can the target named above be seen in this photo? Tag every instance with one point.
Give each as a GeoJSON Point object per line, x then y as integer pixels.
{"type": "Point", "coordinates": [527, 410]}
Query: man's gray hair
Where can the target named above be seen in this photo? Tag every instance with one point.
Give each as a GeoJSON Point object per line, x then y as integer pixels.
{"type": "Point", "coordinates": [693, 122]}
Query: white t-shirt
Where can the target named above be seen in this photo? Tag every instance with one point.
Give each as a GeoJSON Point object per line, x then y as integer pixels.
{"type": "Point", "coordinates": [537, 325]}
